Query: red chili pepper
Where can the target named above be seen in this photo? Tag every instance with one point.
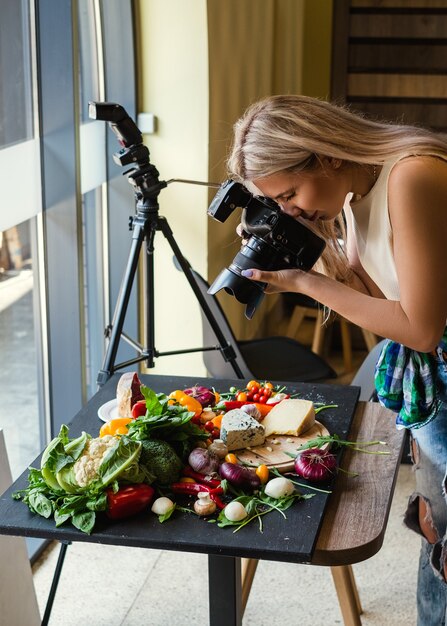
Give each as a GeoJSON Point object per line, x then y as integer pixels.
{"type": "Point", "coordinates": [217, 500]}
{"type": "Point", "coordinates": [234, 404]}
{"type": "Point", "coordinates": [201, 478]}
{"type": "Point", "coordinates": [128, 500]}
{"type": "Point", "coordinates": [191, 489]}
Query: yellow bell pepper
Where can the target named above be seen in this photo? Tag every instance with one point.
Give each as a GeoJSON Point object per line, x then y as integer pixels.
{"type": "Point", "coordinates": [190, 403]}
{"type": "Point", "coordinates": [117, 426]}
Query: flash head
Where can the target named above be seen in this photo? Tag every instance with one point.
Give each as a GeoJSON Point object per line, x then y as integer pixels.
{"type": "Point", "coordinates": [122, 125]}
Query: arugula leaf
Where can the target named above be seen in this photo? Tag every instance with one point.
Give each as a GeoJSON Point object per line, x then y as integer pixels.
{"type": "Point", "coordinates": [360, 446]}
{"type": "Point", "coordinates": [258, 505]}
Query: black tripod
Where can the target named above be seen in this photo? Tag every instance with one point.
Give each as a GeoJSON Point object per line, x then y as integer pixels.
{"type": "Point", "coordinates": [145, 179]}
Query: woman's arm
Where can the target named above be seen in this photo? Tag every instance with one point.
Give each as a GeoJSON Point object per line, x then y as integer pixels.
{"type": "Point", "coordinates": [418, 213]}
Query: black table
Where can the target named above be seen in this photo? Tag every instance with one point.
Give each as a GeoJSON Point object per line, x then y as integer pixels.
{"type": "Point", "coordinates": [290, 540]}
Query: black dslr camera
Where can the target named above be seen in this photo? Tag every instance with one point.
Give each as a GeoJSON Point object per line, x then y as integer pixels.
{"type": "Point", "coordinates": [276, 241]}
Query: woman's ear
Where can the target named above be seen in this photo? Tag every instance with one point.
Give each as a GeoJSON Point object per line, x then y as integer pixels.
{"type": "Point", "coordinates": [335, 163]}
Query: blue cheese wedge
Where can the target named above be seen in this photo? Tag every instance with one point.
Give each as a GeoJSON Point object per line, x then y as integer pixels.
{"type": "Point", "coordinates": [290, 417]}
{"type": "Point", "coordinates": [240, 430]}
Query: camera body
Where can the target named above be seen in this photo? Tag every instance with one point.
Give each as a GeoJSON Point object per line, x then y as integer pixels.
{"type": "Point", "coordinates": [274, 241]}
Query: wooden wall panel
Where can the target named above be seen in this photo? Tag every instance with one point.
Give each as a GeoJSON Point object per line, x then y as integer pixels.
{"type": "Point", "coordinates": [397, 85]}
{"type": "Point", "coordinates": [393, 63]}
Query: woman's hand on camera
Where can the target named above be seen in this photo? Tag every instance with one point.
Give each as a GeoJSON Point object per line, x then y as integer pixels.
{"type": "Point", "coordinates": [279, 281]}
{"type": "Point", "coordinates": [240, 232]}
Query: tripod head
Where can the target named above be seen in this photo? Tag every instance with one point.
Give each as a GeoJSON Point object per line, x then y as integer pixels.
{"type": "Point", "coordinates": [143, 175]}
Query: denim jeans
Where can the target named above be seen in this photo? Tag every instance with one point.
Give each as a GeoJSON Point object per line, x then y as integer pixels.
{"type": "Point", "coordinates": [429, 447]}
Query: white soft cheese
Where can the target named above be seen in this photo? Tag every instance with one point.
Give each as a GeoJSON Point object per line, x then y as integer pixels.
{"type": "Point", "coordinates": [240, 430]}
{"type": "Point", "coordinates": [290, 417]}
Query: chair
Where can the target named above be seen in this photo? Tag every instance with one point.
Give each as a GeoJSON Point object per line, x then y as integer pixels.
{"type": "Point", "coordinates": [269, 358]}
{"type": "Point", "coordinates": [300, 306]}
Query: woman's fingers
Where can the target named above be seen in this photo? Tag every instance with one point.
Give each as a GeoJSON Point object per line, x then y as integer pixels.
{"type": "Point", "coordinates": [282, 280]}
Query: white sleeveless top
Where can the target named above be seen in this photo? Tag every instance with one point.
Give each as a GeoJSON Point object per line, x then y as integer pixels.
{"type": "Point", "coordinates": [374, 236]}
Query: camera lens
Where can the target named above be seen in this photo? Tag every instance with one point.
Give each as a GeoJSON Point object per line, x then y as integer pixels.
{"type": "Point", "coordinates": [249, 292]}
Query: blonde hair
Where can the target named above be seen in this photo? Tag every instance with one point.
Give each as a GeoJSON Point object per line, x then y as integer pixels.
{"type": "Point", "coordinates": [291, 133]}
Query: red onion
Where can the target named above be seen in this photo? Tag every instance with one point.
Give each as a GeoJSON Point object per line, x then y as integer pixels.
{"type": "Point", "coordinates": [239, 476]}
{"type": "Point", "coordinates": [203, 461]}
{"type": "Point", "coordinates": [315, 464]}
{"type": "Point", "coordinates": [202, 394]}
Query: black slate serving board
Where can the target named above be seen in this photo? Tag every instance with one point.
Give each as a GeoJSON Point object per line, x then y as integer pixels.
{"type": "Point", "coordinates": [292, 539]}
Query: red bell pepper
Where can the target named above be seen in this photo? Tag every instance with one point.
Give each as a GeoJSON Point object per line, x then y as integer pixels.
{"type": "Point", "coordinates": [128, 500]}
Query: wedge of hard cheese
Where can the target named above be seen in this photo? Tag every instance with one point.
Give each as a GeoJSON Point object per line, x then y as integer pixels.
{"type": "Point", "coordinates": [290, 417]}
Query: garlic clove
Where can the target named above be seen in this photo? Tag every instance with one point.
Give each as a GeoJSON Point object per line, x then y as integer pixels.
{"type": "Point", "coordinates": [162, 505]}
{"type": "Point", "coordinates": [235, 511]}
{"type": "Point", "coordinates": [279, 487]}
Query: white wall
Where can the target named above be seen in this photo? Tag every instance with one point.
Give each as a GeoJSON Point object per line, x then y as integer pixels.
{"type": "Point", "coordinates": [173, 85]}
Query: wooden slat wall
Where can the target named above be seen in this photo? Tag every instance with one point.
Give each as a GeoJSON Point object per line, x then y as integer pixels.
{"type": "Point", "coordinates": [390, 59]}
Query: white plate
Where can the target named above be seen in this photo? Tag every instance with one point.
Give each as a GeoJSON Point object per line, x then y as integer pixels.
{"type": "Point", "coordinates": [108, 411]}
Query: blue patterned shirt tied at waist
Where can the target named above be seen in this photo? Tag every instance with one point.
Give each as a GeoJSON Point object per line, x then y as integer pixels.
{"type": "Point", "coordinates": [407, 382]}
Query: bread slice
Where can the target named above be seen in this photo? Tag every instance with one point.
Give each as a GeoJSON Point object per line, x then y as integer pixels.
{"type": "Point", "coordinates": [127, 393]}
{"type": "Point", "coordinates": [290, 417]}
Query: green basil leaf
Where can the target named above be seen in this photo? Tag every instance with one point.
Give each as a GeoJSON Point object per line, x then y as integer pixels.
{"type": "Point", "coordinates": [40, 504]}
{"type": "Point", "coordinates": [84, 521]}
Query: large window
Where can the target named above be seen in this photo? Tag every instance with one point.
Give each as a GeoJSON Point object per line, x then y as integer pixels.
{"type": "Point", "coordinates": [62, 208]}
{"type": "Point", "coordinates": [19, 168]}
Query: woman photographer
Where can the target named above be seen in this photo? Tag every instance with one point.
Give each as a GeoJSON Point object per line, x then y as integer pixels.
{"type": "Point", "coordinates": [382, 188]}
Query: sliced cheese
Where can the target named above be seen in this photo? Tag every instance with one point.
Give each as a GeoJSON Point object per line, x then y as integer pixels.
{"type": "Point", "coordinates": [290, 417]}
{"type": "Point", "coordinates": [239, 430]}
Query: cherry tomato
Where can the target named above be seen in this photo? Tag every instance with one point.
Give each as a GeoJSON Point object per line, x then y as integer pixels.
{"type": "Point", "coordinates": [139, 409]}
{"type": "Point", "coordinates": [209, 426]}
{"type": "Point", "coordinates": [250, 396]}
{"type": "Point", "coordinates": [231, 458]}
{"type": "Point", "coordinates": [263, 398]}
{"type": "Point", "coordinates": [256, 397]}
{"type": "Point", "coordinates": [215, 433]}
{"type": "Point", "coordinates": [266, 391]}
{"type": "Point", "coordinates": [262, 472]}
{"type": "Point", "coordinates": [269, 385]}
{"type": "Point", "coordinates": [241, 396]}
{"type": "Point", "coordinates": [253, 384]}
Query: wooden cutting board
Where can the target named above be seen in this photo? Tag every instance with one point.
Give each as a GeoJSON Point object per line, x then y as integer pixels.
{"type": "Point", "coordinates": [273, 451]}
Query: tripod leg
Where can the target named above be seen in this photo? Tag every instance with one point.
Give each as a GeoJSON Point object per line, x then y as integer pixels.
{"type": "Point", "coordinates": [122, 304]}
{"type": "Point", "coordinates": [227, 350]}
